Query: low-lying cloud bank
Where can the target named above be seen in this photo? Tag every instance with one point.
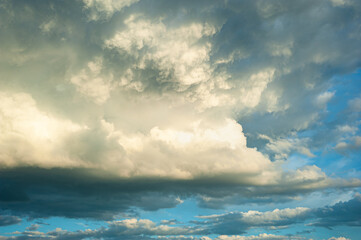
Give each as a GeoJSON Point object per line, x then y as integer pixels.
{"type": "Point", "coordinates": [228, 226]}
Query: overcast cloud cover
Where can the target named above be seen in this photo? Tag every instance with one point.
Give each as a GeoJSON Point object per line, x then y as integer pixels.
{"type": "Point", "coordinates": [223, 120]}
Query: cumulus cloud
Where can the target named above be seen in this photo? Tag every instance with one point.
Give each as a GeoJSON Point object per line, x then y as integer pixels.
{"type": "Point", "coordinates": [149, 103]}
{"type": "Point", "coordinates": [29, 136]}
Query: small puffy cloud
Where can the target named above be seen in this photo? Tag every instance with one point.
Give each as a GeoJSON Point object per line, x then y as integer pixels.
{"type": "Point", "coordinates": [353, 145]}
{"type": "Point", "coordinates": [324, 98]}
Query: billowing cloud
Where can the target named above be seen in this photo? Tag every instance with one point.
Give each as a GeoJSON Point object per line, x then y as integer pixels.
{"type": "Point", "coordinates": [108, 107]}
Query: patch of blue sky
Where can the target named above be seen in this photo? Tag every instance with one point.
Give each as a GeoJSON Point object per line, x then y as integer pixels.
{"type": "Point", "coordinates": [346, 87]}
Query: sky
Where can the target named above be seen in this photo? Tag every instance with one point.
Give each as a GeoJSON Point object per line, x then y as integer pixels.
{"type": "Point", "coordinates": [180, 120]}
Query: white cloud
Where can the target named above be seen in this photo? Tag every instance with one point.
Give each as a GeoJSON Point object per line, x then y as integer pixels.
{"type": "Point", "coordinates": [201, 148]}
{"type": "Point", "coordinates": [284, 146]}
{"type": "Point", "coordinates": [100, 9]}
{"type": "Point", "coordinates": [250, 94]}
{"type": "Point", "coordinates": [91, 83]}
{"type": "Point", "coordinates": [262, 236]}
{"type": "Point", "coordinates": [339, 3]}
{"type": "Point", "coordinates": [276, 217]}
{"type": "Point", "coordinates": [324, 98]}
{"type": "Point", "coordinates": [30, 136]}
{"type": "Point", "coordinates": [171, 49]}
{"type": "Point", "coordinates": [339, 238]}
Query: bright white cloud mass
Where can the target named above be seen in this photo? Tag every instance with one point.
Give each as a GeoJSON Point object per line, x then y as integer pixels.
{"type": "Point", "coordinates": [203, 120]}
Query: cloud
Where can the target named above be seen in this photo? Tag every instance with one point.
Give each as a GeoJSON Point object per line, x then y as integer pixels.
{"type": "Point", "coordinates": [33, 227]}
{"type": "Point", "coordinates": [105, 9]}
{"type": "Point", "coordinates": [89, 82]}
{"type": "Point", "coordinates": [138, 229]}
{"type": "Point", "coordinates": [240, 222]}
{"type": "Point", "coordinates": [353, 145]}
{"type": "Point", "coordinates": [6, 220]}
{"type": "Point", "coordinates": [342, 213]}
{"type": "Point", "coordinates": [75, 193]}
{"type": "Point", "coordinates": [150, 103]}
{"type": "Point", "coordinates": [30, 136]}
{"type": "Point", "coordinates": [260, 236]}
{"type": "Point", "coordinates": [227, 226]}
{"type": "Point", "coordinates": [125, 229]}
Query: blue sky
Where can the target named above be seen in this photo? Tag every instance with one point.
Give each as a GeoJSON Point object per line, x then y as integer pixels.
{"type": "Point", "coordinates": [202, 120]}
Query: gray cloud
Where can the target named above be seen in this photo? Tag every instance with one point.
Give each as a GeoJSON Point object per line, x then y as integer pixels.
{"type": "Point", "coordinates": [342, 213]}
{"type": "Point", "coordinates": [33, 227]}
{"type": "Point", "coordinates": [81, 193]}
{"type": "Point", "coordinates": [6, 220]}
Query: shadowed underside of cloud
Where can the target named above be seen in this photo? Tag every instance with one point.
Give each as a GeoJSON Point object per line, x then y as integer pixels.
{"type": "Point", "coordinates": [81, 193]}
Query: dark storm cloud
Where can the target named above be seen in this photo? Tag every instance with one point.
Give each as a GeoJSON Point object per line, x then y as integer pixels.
{"type": "Point", "coordinates": [82, 193]}
{"type": "Point", "coordinates": [78, 193]}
